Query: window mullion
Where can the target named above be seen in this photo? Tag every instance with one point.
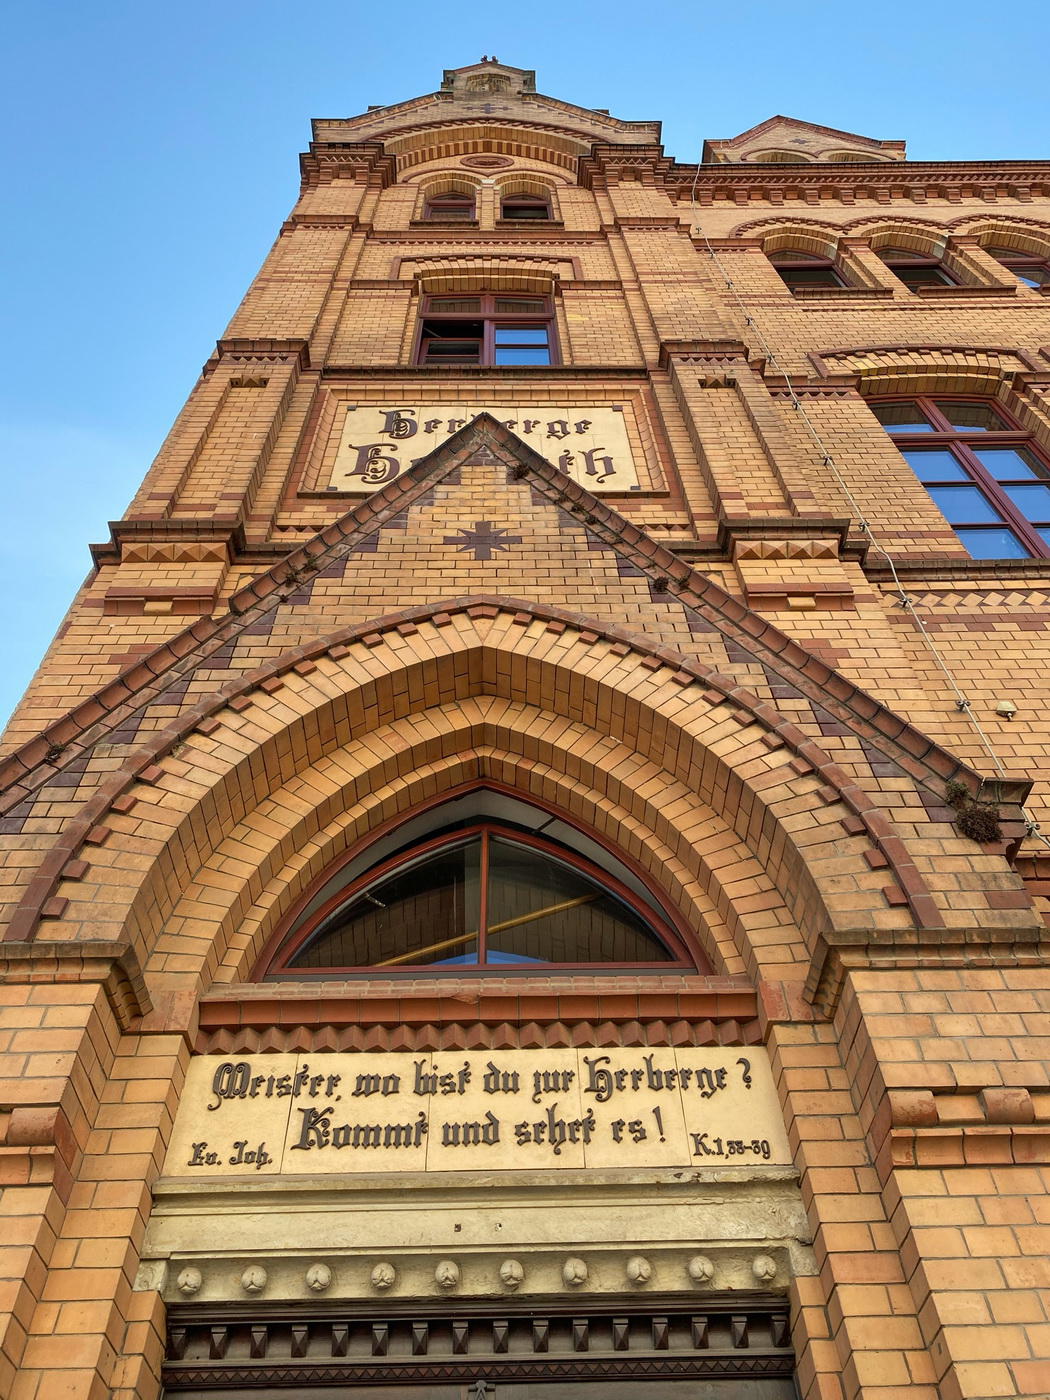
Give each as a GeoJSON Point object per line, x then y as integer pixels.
{"type": "Point", "coordinates": [483, 901]}
{"type": "Point", "coordinates": [993, 492]}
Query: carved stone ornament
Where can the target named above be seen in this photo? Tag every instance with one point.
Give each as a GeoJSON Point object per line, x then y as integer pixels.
{"type": "Point", "coordinates": [700, 1269]}
{"type": "Point", "coordinates": [639, 1270]}
{"type": "Point", "coordinates": [318, 1277]}
{"type": "Point", "coordinates": [384, 1276]}
{"type": "Point", "coordinates": [574, 1272]}
{"type": "Point", "coordinates": [512, 1274]}
{"type": "Point", "coordinates": [189, 1281]}
{"type": "Point", "coordinates": [764, 1268]}
{"type": "Point", "coordinates": [253, 1280]}
{"type": "Point", "coordinates": [446, 1275]}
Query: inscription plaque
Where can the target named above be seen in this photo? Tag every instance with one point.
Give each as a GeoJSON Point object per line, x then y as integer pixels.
{"type": "Point", "coordinates": [587, 442]}
{"type": "Point", "coordinates": [498, 1110]}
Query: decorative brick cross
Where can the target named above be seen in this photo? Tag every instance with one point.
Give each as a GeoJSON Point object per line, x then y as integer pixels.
{"type": "Point", "coordinates": [483, 539]}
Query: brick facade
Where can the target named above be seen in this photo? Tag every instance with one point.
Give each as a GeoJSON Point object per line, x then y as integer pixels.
{"type": "Point", "coordinates": [712, 675]}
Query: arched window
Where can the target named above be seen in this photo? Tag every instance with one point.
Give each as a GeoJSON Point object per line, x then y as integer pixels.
{"type": "Point", "coordinates": [916, 269]}
{"type": "Point", "coordinates": [525, 206]}
{"type": "Point", "coordinates": [990, 481]}
{"type": "Point", "coordinates": [800, 271]}
{"type": "Point", "coordinates": [450, 205]}
{"type": "Point", "coordinates": [1029, 268]}
{"type": "Point", "coordinates": [778, 158]}
{"type": "Point", "coordinates": [481, 893]}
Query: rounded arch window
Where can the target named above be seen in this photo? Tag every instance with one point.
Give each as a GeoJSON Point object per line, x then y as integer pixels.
{"type": "Point", "coordinates": [916, 270]}
{"type": "Point", "coordinates": [483, 893]}
{"type": "Point", "coordinates": [525, 206]}
{"type": "Point", "coordinates": [1032, 269]}
{"type": "Point", "coordinates": [779, 158]}
{"type": "Point", "coordinates": [449, 204]}
{"type": "Point", "coordinates": [800, 271]}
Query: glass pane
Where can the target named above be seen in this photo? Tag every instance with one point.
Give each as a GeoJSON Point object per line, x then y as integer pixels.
{"type": "Point", "coordinates": [963, 505]}
{"type": "Point", "coordinates": [992, 544]}
{"type": "Point", "coordinates": [936, 465]}
{"type": "Point", "coordinates": [1032, 276]}
{"type": "Point", "coordinates": [923, 276]}
{"type": "Point", "coordinates": [450, 304]}
{"type": "Point", "coordinates": [521, 335]}
{"type": "Point", "coordinates": [1011, 463]}
{"type": "Point", "coordinates": [521, 305]}
{"type": "Point", "coordinates": [543, 911]}
{"type": "Point", "coordinates": [971, 415]}
{"type": "Point", "coordinates": [526, 211]}
{"type": "Point", "coordinates": [902, 417]}
{"type": "Point", "coordinates": [462, 351]}
{"type": "Point", "coordinates": [522, 355]}
{"type": "Point", "coordinates": [1003, 254]}
{"type": "Point", "coordinates": [892, 254]}
{"type": "Point", "coordinates": [428, 913]}
{"type": "Point", "coordinates": [810, 276]}
{"type": "Point", "coordinates": [1032, 501]}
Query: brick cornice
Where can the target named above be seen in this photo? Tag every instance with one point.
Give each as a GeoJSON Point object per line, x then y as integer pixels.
{"type": "Point", "coordinates": [379, 1014]}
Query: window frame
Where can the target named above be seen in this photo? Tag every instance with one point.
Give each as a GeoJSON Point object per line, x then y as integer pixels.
{"type": "Point", "coordinates": [283, 950]}
{"type": "Point", "coordinates": [902, 259]}
{"type": "Point", "coordinates": [433, 213]}
{"type": "Point", "coordinates": [491, 320]}
{"type": "Point", "coordinates": [784, 259]}
{"type": "Point", "coordinates": [523, 198]}
{"type": "Point", "coordinates": [1017, 262]}
{"type": "Point", "coordinates": [961, 442]}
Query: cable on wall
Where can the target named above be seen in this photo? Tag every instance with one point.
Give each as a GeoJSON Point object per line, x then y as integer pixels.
{"type": "Point", "coordinates": [962, 703]}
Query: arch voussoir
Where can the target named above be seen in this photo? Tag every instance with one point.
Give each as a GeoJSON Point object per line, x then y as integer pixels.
{"type": "Point", "coordinates": [646, 720]}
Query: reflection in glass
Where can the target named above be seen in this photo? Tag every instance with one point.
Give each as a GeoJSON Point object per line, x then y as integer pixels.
{"type": "Point", "coordinates": [1010, 463]}
{"type": "Point", "coordinates": [431, 911]}
{"type": "Point", "coordinates": [1032, 501]}
{"type": "Point", "coordinates": [963, 505]}
{"type": "Point", "coordinates": [936, 464]}
{"type": "Point", "coordinates": [992, 544]}
{"type": "Point", "coordinates": [901, 417]}
{"type": "Point", "coordinates": [541, 910]}
{"type": "Point", "coordinates": [428, 912]}
{"type": "Point", "coordinates": [971, 415]}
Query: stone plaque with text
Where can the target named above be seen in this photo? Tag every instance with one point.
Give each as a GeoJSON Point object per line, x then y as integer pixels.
{"type": "Point", "coordinates": [587, 442]}
{"type": "Point", "coordinates": [478, 1110]}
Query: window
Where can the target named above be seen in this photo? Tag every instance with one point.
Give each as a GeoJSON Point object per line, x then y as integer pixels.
{"type": "Point", "coordinates": [525, 206]}
{"type": "Point", "coordinates": [916, 270]}
{"type": "Point", "coordinates": [488, 329]}
{"type": "Point", "coordinates": [986, 477]}
{"type": "Point", "coordinates": [479, 894]}
{"type": "Point", "coordinates": [1030, 269]}
{"type": "Point", "coordinates": [450, 205]}
{"type": "Point", "coordinates": [800, 271]}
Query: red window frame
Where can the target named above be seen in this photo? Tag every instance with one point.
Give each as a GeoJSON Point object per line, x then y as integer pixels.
{"type": "Point", "coordinates": [964, 443]}
{"type": "Point", "coordinates": [481, 325]}
{"type": "Point", "coordinates": [277, 966]}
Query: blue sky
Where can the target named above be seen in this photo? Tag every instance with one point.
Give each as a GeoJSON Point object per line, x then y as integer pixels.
{"type": "Point", "coordinates": [150, 154]}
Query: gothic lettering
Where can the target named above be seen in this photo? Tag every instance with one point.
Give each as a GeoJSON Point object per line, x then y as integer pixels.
{"type": "Point", "coordinates": [371, 465]}
{"type": "Point", "coordinates": [400, 422]}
